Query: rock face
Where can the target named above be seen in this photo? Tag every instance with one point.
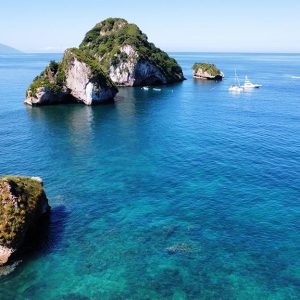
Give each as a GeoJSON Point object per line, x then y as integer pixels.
{"type": "Point", "coordinates": [46, 95]}
{"type": "Point", "coordinates": [124, 53]}
{"type": "Point", "coordinates": [85, 83]}
{"type": "Point", "coordinates": [22, 203]}
{"type": "Point", "coordinates": [207, 71]}
{"type": "Point", "coordinates": [76, 79]}
{"type": "Point", "coordinates": [133, 72]}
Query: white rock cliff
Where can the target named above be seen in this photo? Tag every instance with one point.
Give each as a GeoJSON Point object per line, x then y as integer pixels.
{"type": "Point", "coordinates": [132, 72]}
{"type": "Point", "coordinates": [83, 86]}
{"type": "Point", "coordinates": [81, 83]}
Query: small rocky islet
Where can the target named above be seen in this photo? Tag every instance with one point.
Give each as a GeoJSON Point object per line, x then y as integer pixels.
{"type": "Point", "coordinates": [206, 71]}
{"type": "Point", "coordinates": [114, 53]}
{"type": "Point", "coordinates": [23, 202]}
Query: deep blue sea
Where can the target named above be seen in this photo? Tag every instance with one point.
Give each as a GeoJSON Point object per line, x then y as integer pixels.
{"type": "Point", "coordinates": [187, 193]}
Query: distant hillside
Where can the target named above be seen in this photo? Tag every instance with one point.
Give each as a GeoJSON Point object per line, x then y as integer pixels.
{"type": "Point", "coordinates": [8, 50]}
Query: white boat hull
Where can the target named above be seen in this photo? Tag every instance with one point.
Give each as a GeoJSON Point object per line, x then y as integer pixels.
{"type": "Point", "coordinates": [235, 89]}
{"type": "Point", "coordinates": [254, 86]}
{"type": "Point", "coordinates": [249, 85]}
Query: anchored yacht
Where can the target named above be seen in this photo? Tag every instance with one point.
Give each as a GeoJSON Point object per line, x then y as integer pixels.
{"type": "Point", "coordinates": [249, 85]}
{"type": "Point", "coordinates": [236, 87]}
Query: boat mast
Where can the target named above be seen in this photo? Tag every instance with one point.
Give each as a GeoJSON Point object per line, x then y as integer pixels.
{"type": "Point", "coordinates": [237, 78]}
{"type": "Point", "coordinates": [238, 82]}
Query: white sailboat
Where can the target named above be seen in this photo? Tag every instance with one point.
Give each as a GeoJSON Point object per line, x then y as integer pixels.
{"type": "Point", "coordinates": [249, 85]}
{"type": "Point", "coordinates": [236, 88]}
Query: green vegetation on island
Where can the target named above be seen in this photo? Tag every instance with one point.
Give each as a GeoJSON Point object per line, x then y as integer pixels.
{"type": "Point", "coordinates": [97, 72]}
{"type": "Point", "coordinates": [22, 200]}
{"type": "Point", "coordinates": [43, 81]}
{"type": "Point", "coordinates": [53, 77]}
{"type": "Point", "coordinates": [116, 53]}
{"type": "Point", "coordinates": [106, 39]}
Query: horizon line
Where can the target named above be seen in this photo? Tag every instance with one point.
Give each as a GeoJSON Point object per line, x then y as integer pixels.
{"type": "Point", "coordinates": [177, 51]}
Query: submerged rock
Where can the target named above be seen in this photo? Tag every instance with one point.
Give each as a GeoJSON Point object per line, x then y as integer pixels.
{"type": "Point", "coordinates": [76, 79]}
{"type": "Point", "coordinates": [125, 54]}
{"type": "Point", "coordinates": [179, 248]}
{"type": "Point", "coordinates": [22, 203]}
{"type": "Point", "coordinates": [8, 269]}
{"type": "Point", "coordinates": [183, 249]}
{"type": "Point", "coordinates": [207, 71]}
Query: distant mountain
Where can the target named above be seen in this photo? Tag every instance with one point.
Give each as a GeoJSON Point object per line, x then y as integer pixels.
{"type": "Point", "coordinates": [8, 50]}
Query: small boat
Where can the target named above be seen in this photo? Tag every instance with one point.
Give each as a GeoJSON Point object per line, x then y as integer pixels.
{"type": "Point", "coordinates": [145, 88]}
{"type": "Point", "coordinates": [236, 87]}
{"type": "Point", "coordinates": [249, 85]}
{"type": "Point", "coordinates": [157, 90]}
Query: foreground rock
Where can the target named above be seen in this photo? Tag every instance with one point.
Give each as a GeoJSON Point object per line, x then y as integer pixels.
{"type": "Point", "coordinates": [22, 203]}
{"type": "Point", "coordinates": [207, 71]}
{"type": "Point", "coordinates": [125, 54]}
{"type": "Point", "coordinates": [76, 79]}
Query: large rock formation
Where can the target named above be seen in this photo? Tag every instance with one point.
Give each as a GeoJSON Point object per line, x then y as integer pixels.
{"type": "Point", "coordinates": [113, 53]}
{"type": "Point", "coordinates": [22, 203]}
{"type": "Point", "coordinates": [125, 54]}
{"type": "Point", "coordinates": [207, 71]}
{"type": "Point", "coordinates": [76, 79]}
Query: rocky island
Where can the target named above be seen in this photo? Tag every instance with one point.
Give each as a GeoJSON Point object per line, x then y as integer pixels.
{"type": "Point", "coordinates": [77, 78]}
{"type": "Point", "coordinates": [114, 53]}
{"type": "Point", "coordinates": [126, 55]}
{"type": "Point", "coordinates": [22, 203]}
{"type": "Point", "coordinates": [207, 72]}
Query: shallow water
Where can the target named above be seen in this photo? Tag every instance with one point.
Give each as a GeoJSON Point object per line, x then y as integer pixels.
{"type": "Point", "coordinates": [187, 193]}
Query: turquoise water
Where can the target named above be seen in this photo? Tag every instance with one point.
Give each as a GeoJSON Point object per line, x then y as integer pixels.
{"type": "Point", "coordinates": [187, 193]}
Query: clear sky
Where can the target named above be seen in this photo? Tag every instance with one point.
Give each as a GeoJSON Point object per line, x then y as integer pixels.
{"type": "Point", "coordinates": [175, 25]}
